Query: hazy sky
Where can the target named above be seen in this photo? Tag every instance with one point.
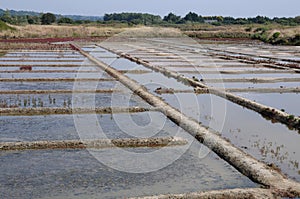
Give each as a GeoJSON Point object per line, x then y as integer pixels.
{"type": "Point", "coordinates": [236, 8]}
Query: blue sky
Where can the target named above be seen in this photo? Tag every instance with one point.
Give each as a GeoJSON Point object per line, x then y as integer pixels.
{"type": "Point", "coordinates": [236, 8]}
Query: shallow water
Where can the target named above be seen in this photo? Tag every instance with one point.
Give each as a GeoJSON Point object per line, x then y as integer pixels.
{"type": "Point", "coordinates": [213, 68]}
{"type": "Point", "coordinates": [55, 75]}
{"type": "Point", "coordinates": [57, 85]}
{"type": "Point", "coordinates": [122, 64]}
{"type": "Point", "coordinates": [154, 80]}
{"type": "Point", "coordinates": [62, 68]}
{"type": "Point", "coordinates": [123, 98]}
{"type": "Point", "coordinates": [77, 174]}
{"type": "Point", "coordinates": [26, 58]}
{"type": "Point", "coordinates": [39, 62]}
{"type": "Point", "coordinates": [289, 102]}
{"type": "Point", "coordinates": [254, 85]}
{"type": "Point", "coordinates": [241, 76]}
{"type": "Point", "coordinates": [246, 129]}
{"type": "Point", "coordinates": [86, 126]}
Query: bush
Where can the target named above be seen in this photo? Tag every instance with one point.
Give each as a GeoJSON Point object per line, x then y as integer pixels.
{"type": "Point", "coordinates": [249, 29]}
{"type": "Point", "coordinates": [276, 35]}
{"type": "Point", "coordinates": [65, 20]}
{"type": "Point", "coordinates": [4, 26]}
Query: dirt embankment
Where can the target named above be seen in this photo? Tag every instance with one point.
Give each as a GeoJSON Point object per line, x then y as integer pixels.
{"type": "Point", "coordinates": [96, 144]}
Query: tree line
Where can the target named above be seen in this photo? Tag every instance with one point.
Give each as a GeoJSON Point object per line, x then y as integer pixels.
{"type": "Point", "coordinates": [44, 19]}
{"type": "Point", "coordinates": [148, 19]}
{"type": "Point", "coordinates": [191, 17]}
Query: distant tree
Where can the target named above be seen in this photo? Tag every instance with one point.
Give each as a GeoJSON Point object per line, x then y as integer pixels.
{"type": "Point", "coordinates": [48, 18]}
{"type": "Point", "coordinates": [6, 17]}
{"type": "Point", "coordinates": [259, 19]}
{"type": "Point", "coordinates": [172, 18]}
{"type": "Point", "coordinates": [133, 18]}
{"type": "Point", "coordinates": [30, 21]}
{"type": "Point", "coordinates": [65, 20]}
{"type": "Point", "coordinates": [220, 18]}
{"type": "Point", "coordinates": [297, 19]}
{"type": "Point", "coordinates": [33, 19]}
{"type": "Point", "coordinates": [191, 16]}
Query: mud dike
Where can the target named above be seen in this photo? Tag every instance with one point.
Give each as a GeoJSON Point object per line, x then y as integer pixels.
{"type": "Point", "coordinates": [38, 113]}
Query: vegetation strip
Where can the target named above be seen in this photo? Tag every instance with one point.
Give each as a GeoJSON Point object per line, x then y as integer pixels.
{"type": "Point", "coordinates": [44, 60]}
{"type": "Point", "coordinates": [266, 63]}
{"type": "Point", "coordinates": [41, 51]}
{"type": "Point", "coordinates": [219, 194]}
{"type": "Point", "coordinates": [253, 80]}
{"type": "Point", "coordinates": [21, 56]}
{"type": "Point", "coordinates": [236, 72]}
{"type": "Point", "coordinates": [73, 71]}
{"type": "Point", "coordinates": [54, 79]}
{"type": "Point", "coordinates": [135, 71]}
{"type": "Point", "coordinates": [260, 56]}
{"type": "Point", "coordinates": [246, 164]}
{"type": "Point", "coordinates": [97, 144]}
{"type": "Point", "coordinates": [267, 111]}
{"type": "Point", "coordinates": [47, 65]}
{"type": "Point", "coordinates": [70, 111]}
{"type": "Point", "coordinates": [215, 66]}
{"type": "Point", "coordinates": [49, 71]}
{"type": "Point", "coordinates": [8, 92]}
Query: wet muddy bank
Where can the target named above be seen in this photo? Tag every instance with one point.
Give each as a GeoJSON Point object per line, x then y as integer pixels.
{"type": "Point", "coordinates": [96, 144]}
{"type": "Point", "coordinates": [69, 111]}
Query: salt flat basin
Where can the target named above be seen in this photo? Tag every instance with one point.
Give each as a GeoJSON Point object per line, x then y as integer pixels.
{"type": "Point", "coordinates": [155, 80]}
{"type": "Point", "coordinates": [57, 85]}
{"type": "Point", "coordinates": [122, 64]}
{"type": "Point", "coordinates": [254, 85]}
{"type": "Point", "coordinates": [77, 174]}
{"type": "Point", "coordinates": [42, 53]}
{"type": "Point", "coordinates": [120, 98]}
{"type": "Point", "coordinates": [56, 75]}
{"type": "Point", "coordinates": [93, 126]}
{"type": "Point", "coordinates": [241, 76]}
{"type": "Point", "coordinates": [49, 68]}
{"type": "Point", "coordinates": [53, 58]}
{"type": "Point", "coordinates": [289, 102]}
{"type": "Point", "coordinates": [246, 129]}
{"type": "Point", "coordinates": [41, 62]}
{"type": "Point", "coordinates": [213, 68]}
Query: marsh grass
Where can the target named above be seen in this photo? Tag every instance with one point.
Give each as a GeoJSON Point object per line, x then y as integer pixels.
{"type": "Point", "coordinates": [59, 31]}
{"type": "Point", "coordinates": [256, 31]}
